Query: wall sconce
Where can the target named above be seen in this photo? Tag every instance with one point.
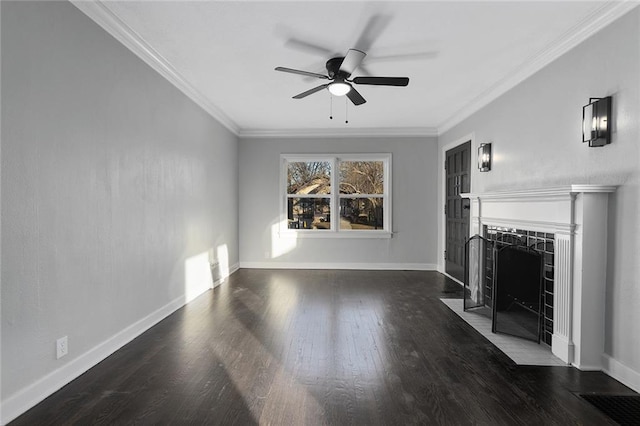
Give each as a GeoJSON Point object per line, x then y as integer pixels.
{"type": "Point", "coordinates": [484, 157]}
{"type": "Point", "coordinates": [595, 121]}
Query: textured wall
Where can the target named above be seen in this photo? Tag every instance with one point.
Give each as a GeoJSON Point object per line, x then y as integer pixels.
{"type": "Point", "coordinates": [111, 180]}
{"type": "Point", "coordinates": [536, 133]}
{"type": "Point", "coordinates": [413, 196]}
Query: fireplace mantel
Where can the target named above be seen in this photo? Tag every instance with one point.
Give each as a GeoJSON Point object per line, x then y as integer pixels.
{"type": "Point", "coordinates": [577, 216]}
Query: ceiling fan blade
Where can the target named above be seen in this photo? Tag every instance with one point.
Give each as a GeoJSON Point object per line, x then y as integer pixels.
{"type": "Point", "coordinates": [307, 73]}
{"type": "Point", "coordinates": [372, 30]}
{"type": "Point", "coordinates": [309, 47]}
{"type": "Point", "coordinates": [352, 61]}
{"type": "Point", "coordinates": [355, 97]}
{"type": "Point", "coordinates": [364, 70]}
{"type": "Point", "coordinates": [413, 56]}
{"type": "Point", "coordinates": [310, 91]}
{"type": "Point", "coordinates": [382, 81]}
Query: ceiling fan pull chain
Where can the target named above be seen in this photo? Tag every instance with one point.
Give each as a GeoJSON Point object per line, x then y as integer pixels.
{"type": "Point", "coordinates": [346, 111]}
{"type": "Point", "coordinates": [330, 107]}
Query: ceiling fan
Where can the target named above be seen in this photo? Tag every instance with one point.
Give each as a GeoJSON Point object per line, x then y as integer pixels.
{"type": "Point", "coordinates": [340, 70]}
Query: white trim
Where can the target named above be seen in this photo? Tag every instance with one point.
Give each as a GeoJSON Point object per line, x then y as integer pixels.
{"type": "Point", "coordinates": [562, 347]}
{"type": "Point", "coordinates": [530, 225]}
{"type": "Point", "coordinates": [541, 194]}
{"type": "Point", "coordinates": [302, 234]}
{"type": "Point", "coordinates": [233, 268]}
{"type": "Point", "coordinates": [357, 266]}
{"type": "Point", "coordinates": [587, 367]}
{"type": "Point", "coordinates": [101, 14]}
{"type": "Point", "coordinates": [29, 396]}
{"type": "Point", "coordinates": [591, 24]}
{"type": "Point", "coordinates": [347, 132]}
{"type": "Point", "coordinates": [452, 278]}
{"type": "Point", "coordinates": [614, 368]}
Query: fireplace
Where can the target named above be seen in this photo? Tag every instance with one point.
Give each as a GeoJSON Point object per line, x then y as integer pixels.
{"type": "Point", "coordinates": [574, 218]}
{"type": "Point", "coordinates": [515, 267]}
{"type": "Point", "coordinates": [543, 242]}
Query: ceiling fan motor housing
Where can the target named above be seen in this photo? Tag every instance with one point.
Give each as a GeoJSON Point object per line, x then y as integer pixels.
{"type": "Point", "coordinates": [333, 68]}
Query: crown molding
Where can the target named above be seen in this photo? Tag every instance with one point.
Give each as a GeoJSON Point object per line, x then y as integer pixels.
{"type": "Point", "coordinates": [591, 24]}
{"type": "Point", "coordinates": [379, 132]}
{"type": "Point", "coordinates": [99, 12]}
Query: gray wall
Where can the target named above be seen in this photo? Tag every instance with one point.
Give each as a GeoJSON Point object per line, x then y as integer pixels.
{"type": "Point", "coordinates": [414, 215]}
{"type": "Point", "coordinates": [111, 180]}
{"type": "Point", "coordinates": [536, 133]}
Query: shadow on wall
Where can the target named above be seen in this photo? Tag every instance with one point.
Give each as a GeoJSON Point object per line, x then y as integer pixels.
{"type": "Point", "coordinates": [204, 270]}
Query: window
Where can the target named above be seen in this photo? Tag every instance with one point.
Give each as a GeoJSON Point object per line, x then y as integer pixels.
{"type": "Point", "coordinates": [309, 194]}
{"type": "Point", "coordinates": [334, 196]}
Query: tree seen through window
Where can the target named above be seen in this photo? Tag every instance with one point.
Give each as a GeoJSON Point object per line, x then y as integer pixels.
{"type": "Point", "coordinates": [360, 200]}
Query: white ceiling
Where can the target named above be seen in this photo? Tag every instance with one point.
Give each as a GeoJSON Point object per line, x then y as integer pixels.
{"type": "Point", "coordinates": [458, 55]}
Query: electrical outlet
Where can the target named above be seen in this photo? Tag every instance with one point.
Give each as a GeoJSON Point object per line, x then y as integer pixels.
{"type": "Point", "coordinates": [62, 347]}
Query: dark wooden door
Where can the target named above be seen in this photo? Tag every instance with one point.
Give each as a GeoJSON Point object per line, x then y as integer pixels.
{"type": "Point", "coordinates": [458, 180]}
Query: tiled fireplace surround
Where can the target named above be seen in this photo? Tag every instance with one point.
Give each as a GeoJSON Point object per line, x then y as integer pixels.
{"type": "Point", "coordinates": [577, 216]}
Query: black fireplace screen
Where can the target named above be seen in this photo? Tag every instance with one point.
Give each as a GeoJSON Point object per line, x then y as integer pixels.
{"type": "Point", "coordinates": [517, 303]}
{"type": "Point", "coordinates": [504, 279]}
{"type": "Point", "coordinates": [478, 277]}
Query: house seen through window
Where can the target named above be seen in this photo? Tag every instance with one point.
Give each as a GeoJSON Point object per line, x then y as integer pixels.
{"type": "Point", "coordinates": [341, 194]}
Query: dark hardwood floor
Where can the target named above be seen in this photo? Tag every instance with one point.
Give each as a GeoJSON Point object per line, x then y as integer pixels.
{"type": "Point", "coordinates": [288, 347]}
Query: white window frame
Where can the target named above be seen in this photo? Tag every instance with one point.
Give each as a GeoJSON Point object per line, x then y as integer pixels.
{"type": "Point", "coordinates": [334, 197]}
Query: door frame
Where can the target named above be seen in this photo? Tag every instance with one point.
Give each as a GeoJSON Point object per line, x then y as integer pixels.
{"type": "Point", "coordinates": [442, 241]}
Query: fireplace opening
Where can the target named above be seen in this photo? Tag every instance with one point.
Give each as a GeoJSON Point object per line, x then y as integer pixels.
{"type": "Point", "coordinates": [509, 278]}
{"type": "Point", "coordinates": [517, 303]}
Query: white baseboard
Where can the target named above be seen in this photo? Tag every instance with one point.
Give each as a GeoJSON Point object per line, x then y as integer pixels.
{"type": "Point", "coordinates": [440, 268]}
{"type": "Point", "coordinates": [587, 367]}
{"type": "Point", "coordinates": [31, 395]}
{"type": "Point", "coordinates": [233, 268]}
{"type": "Point", "coordinates": [451, 277]}
{"type": "Point", "coordinates": [626, 375]}
{"type": "Point", "coordinates": [358, 266]}
{"type": "Point", "coordinates": [562, 348]}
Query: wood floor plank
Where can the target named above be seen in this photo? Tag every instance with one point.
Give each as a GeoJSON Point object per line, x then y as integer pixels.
{"type": "Point", "coordinates": [291, 347]}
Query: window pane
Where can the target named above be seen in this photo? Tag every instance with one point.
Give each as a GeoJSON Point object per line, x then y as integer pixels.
{"type": "Point", "coordinates": [309, 213]}
{"type": "Point", "coordinates": [309, 177]}
{"type": "Point", "coordinates": [362, 177]}
{"type": "Point", "coordinates": [361, 213]}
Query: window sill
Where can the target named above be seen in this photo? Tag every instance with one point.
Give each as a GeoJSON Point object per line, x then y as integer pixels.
{"type": "Point", "coordinates": [334, 234]}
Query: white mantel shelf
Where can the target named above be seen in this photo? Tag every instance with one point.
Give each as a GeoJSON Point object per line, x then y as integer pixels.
{"type": "Point", "coordinates": [541, 192]}
{"type": "Point", "coordinates": [577, 216]}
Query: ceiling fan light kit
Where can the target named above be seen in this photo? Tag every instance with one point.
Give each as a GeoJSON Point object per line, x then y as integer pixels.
{"type": "Point", "coordinates": [339, 88]}
{"type": "Point", "coordinates": [339, 71]}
